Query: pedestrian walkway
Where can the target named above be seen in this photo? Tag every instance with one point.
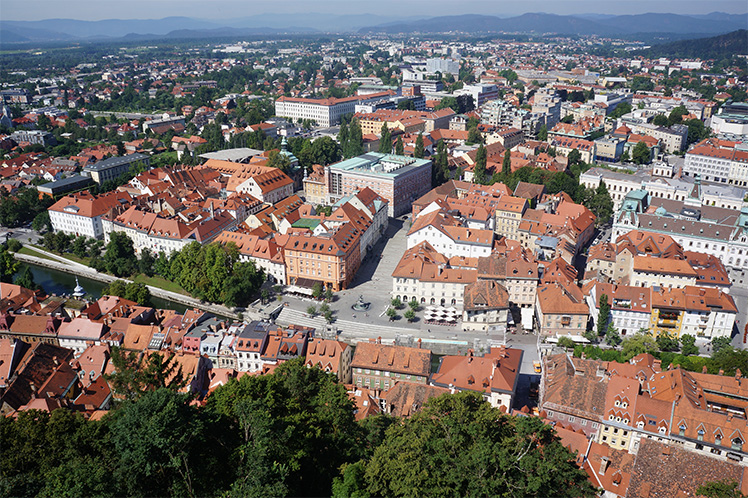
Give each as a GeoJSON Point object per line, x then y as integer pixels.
{"type": "Point", "coordinates": [290, 316]}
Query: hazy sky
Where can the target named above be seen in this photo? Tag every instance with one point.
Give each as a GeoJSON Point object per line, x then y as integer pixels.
{"type": "Point", "coordinates": [29, 10]}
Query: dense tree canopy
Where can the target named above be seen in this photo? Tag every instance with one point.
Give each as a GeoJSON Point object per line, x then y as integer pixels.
{"type": "Point", "coordinates": [458, 445]}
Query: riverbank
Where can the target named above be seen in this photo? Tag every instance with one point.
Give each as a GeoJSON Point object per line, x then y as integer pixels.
{"type": "Point", "coordinates": [59, 263]}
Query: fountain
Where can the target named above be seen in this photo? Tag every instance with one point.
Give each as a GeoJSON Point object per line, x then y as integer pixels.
{"type": "Point", "coordinates": [79, 291]}
{"type": "Point", "coordinates": [361, 305]}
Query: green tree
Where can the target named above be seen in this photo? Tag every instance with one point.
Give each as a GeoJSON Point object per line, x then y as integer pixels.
{"type": "Point", "coordinates": [391, 313]}
{"type": "Point", "coordinates": [324, 151]}
{"type": "Point", "coordinates": [660, 120]}
{"type": "Point", "coordinates": [479, 171]}
{"type": "Point", "coordinates": [311, 310]}
{"type": "Point", "coordinates": [474, 136]}
{"type": "Point", "coordinates": [440, 167]}
{"type": "Point", "coordinates": [719, 343]}
{"type": "Point", "coordinates": [406, 105]}
{"type": "Point", "coordinates": [146, 263]}
{"type": "Point", "coordinates": [566, 342]}
{"type": "Point", "coordinates": [612, 337]}
{"type": "Point", "coordinates": [399, 148]}
{"type": "Point", "coordinates": [641, 154]}
{"type": "Point", "coordinates": [413, 304]}
{"type": "Point", "coordinates": [409, 315]}
{"type": "Point", "coordinates": [14, 245]}
{"type": "Point", "coordinates": [294, 428]}
{"type": "Point", "coordinates": [317, 290]}
{"type": "Point", "coordinates": [25, 279]}
{"type": "Point", "coordinates": [543, 133]}
{"type": "Point", "coordinates": [620, 110]}
{"type": "Point", "coordinates": [278, 160]}
{"type": "Point", "coordinates": [135, 374]}
{"type": "Point", "coordinates": [164, 447]}
{"type": "Point", "coordinates": [385, 139]}
{"type": "Point", "coordinates": [688, 345]}
{"type": "Point", "coordinates": [119, 257]}
{"type": "Point", "coordinates": [396, 303]}
{"type": "Point", "coordinates": [641, 342]}
{"type": "Point", "coordinates": [79, 246]}
{"type": "Point", "coordinates": [575, 157]}
{"type": "Point", "coordinates": [478, 450]}
{"type": "Point", "coordinates": [720, 489]}
{"type": "Point", "coordinates": [625, 157]}
{"type": "Point", "coordinates": [42, 222]}
{"type": "Point", "coordinates": [8, 264]}
{"type": "Point", "coordinates": [676, 115]}
{"type": "Point", "coordinates": [506, 165]}
{"type": "Point", "coordinates": [418, 150]}
{"type": "Point", "coordinates": [601, 204]}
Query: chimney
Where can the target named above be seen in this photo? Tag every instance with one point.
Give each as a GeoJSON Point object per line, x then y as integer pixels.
{"type": "Point", "coordinates": [379, 340]}
{"type": "Point", "coordinates": [603, 465]}
{"type": "Point", "coordinates": [419, 346]}
{"type": "Point", "coordinates": [721, 372]}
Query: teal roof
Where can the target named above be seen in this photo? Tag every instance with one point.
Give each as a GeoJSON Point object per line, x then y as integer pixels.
{"type": "Point", "coordinates": [384, 165]}
{"type": "Point", "coordinates": [311, 224]}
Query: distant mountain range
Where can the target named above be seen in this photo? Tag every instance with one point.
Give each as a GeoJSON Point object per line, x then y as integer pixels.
{"type": "Point", "coordinates": [540, 23]}
{"type": "Point", "coordinates": [717, 47]}
{"type": "Point", "coordinates": [70, 30]}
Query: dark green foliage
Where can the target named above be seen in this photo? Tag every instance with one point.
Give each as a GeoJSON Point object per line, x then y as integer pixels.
{"type": "Point", "coordinates": [660, 120]}
{"type": "Point", "coordinates": [688, 345]}
{"type": "Point", "coordinates": [399, 148]}
{"type": "Point", "coordinates": [131, 291]}
{"type": "Point", "coordinates": [474, 136]}
{"type": "Point", "coordinates": [296, 425]}
{"type": "Point", "coordinates": [42, 222]}
{"type": "Point", "coordinates": [14, 245]}
{"type": "Point", "coordinates": [135, 374]}
{"type": "Point", "coordinates": [543, 133]}
{"type": "Point", "coordinates": [146, 263]}
{"type": "Point", "coordinates": [719, 343]}
{"type": "Point", "coordinates": [25, 278]}
{"type": "Point", "coordinates": [119, 257]}
{"type": "Point", "coordinates": [22, 207]}
{"type": "Point", "coordinates": [8, 264]}
{"type": "Point", "coordinates": [351, 139]}
{"type": "Point", "coordinates": [620, 110]}
{"type": "Point", "coordinates": [479, 171]}
{"type": "Point", "coordinates": [667, 343]}
{"type": "Point", "coordinates": [440, 166]}
{"type": "Point", "coordinates": [720, 489]}
{"type": "Point", "coordinates": [57, 454]}
{"type": "Point", "coordinates": [604, 315]}
{"type": "Point", "coordinates": [458, 445]}
{"type": "Point", "coordinates": [214, 273]}
{"type": "Point", "coordinates": [718, 47]}
{"type": "Point", "coordinates": [640, 154]}
{"type": "Point", "coordinates": [601, 204]}
{"type": "Point", "coordinates": [165, 447]}
{"type": "Point", "coordinates": [385, 139]}
{"type": "Point", "coordinates": [418, 150]}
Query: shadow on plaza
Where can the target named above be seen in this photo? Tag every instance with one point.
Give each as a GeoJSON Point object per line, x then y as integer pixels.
{"type": "Point", "coordinates": [370, 264]}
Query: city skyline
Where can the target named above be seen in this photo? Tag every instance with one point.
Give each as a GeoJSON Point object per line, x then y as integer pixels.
{"type": "Point", "coordinates": [17, 10]}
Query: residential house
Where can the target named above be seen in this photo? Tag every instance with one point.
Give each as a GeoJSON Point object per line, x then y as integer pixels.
{"type": "Point", "coordinates": [378, 366]}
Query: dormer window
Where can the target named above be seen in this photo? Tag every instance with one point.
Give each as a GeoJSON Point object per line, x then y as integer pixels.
{"type": "Point", "coordinates": [682, 430]}
{"type": "Point", "coordinates": [700, 435]}
{"type": "Point", "coordinates": [737, 444]}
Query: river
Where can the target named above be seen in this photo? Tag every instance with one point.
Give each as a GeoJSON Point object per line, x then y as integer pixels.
{"type": "Point", "coordinates": [59, 283]}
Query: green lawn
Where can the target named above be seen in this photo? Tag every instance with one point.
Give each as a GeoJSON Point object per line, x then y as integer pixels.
{"type": "Point", "coordinates": [30, 252]}
{"type": "Point", "coordinates": [161, 283]}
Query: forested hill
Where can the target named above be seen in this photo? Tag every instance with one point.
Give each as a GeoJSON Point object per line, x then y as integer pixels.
{"type": "Point", "coordinates": [717, 47]}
